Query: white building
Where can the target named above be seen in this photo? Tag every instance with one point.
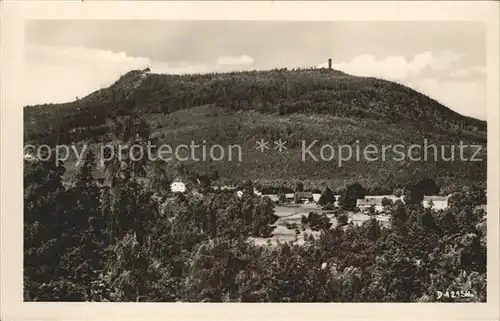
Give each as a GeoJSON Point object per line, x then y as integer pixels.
{"type": "Point", "coordinates": [393, 198]}
{"type": "Point", "coordinates": [178, 186]}
{"type": "Point", "coordinates": [273, 197]}
{"type": "Point", "coordinates": [437, 202]}
{"type": "Point", "coordinates": [255, 192]}
{"type": "Point", "coordinates": [225, 188]}
{"type": "Point", "coordinates": [317, 196]}
{"type": "Point", "coordinates": [364, 204]}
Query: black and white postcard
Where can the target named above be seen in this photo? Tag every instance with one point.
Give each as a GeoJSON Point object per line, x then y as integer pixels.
{"type": "Point", "coordinates": [249, 152]}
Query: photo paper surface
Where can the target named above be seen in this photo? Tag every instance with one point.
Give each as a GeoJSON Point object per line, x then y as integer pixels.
{"type": "Point", "coordinates": [188, 153]}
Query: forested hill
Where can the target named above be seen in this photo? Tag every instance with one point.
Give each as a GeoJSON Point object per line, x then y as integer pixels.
{"type": "Point", "coordinates": [240, 107]}
{"type": "Point", "coordinates": [313, 91]}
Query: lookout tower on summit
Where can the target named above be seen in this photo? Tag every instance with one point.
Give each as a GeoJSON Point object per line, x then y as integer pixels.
{"type": "Point", "coordinates": [329, 63]}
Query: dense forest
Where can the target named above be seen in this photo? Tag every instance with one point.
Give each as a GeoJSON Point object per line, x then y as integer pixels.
{"type": "Point", "coordinates": [127, 237]}
{"type": "Point", "coordinates": [295, 105]}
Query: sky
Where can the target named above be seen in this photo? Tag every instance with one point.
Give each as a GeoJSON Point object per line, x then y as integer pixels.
{"type": "Point", "coordinates": [65, 59]}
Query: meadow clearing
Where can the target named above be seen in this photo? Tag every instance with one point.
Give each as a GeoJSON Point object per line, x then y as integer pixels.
{"type": "Point", "coordinates": [292, 213]}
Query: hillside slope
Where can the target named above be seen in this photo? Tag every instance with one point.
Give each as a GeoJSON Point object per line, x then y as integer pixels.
{"type": "Point", "coordinates": [239, 108]}
{"type": "Point", "coordinates": [215, 125]}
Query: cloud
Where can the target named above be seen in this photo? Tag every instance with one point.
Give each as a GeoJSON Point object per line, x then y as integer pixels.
{"type": "Point", "coordinates": [57, 75]}
{"type": "Point", "coordinates": [230, 60]}
{"type": "Point", "coordinates": [460, 73]}
{"type": "Point", "coordinates": [467, 97]}
{"type": "Point", "coordinates": [479, 70]}
{"type": "Point", "coordinates": [398, 67]}
{"type": "Point", "coordinates": [435, 74]}
{"type": "Point", "coordinates": [221, 64]}
{"type": "Point", "coordinates": [470, 72]}
{"type": "Point", "coordinates": [184, 68]}
{"type": "Point", "coordinates": [60, 74]}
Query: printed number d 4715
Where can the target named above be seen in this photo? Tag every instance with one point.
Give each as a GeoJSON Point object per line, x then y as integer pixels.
{"type": "Point", "coordinates": [453, 294]}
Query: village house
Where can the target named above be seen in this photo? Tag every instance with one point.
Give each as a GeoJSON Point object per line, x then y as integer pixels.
{"type": "Point", "coordinates": [178, 186]}
{"type": "Point", "coordinates": [317, 196]}
{"type": "Point", "coordinates": [437, 202]}
{"type": "Point", "coordinates": [303, 197]}
{"type": "Point", "coordinates": [364, 204]}
{"type": "Point", "coordinates": [393, 198]}
{"type": "Point", "coordinates": [225, 188]}
{"type": "Point", "coordinates": [274, 198]}
{"type": "Point", "coordinates": [255, 192]}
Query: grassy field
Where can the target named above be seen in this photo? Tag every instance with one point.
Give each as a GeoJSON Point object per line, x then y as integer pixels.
{"type": "Point", "coordinates": [292, 213]}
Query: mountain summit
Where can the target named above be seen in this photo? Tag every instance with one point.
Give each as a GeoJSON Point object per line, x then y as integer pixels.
{"type": "Point", "coordinates": [326, 105]}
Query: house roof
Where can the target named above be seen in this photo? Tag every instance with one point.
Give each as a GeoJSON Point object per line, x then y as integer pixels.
{"type": "Point", "coordinates": [304, 194]}
{"type": "Point", "coordinates": [435, 198]}
{"type": "Point", "coordinates": [391, 197]}
{"type": "Point", "coordinates": [227, 187]}
{"type": "Point", "coordinates": [369, 202]}
{"type": "Point", "coordinates": [272, 197]}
